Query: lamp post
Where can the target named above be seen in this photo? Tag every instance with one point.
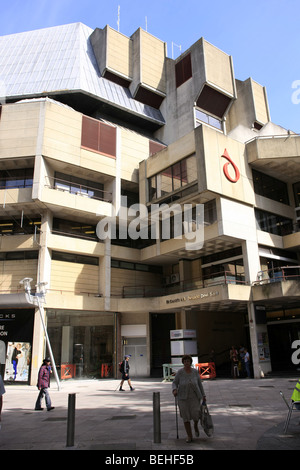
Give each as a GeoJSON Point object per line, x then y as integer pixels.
{"type": "Point", "coordinates": [38, 299]}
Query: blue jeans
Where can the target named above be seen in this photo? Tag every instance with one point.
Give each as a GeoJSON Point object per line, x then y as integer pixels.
{"type": "Point", "coordinates": [38, 405]}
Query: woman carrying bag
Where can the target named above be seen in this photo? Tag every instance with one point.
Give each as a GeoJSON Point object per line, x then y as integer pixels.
{"type": "Point", "coordinates": [187, 387]}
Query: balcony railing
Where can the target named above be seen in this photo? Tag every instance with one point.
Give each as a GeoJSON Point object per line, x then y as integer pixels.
{"type": "Point", "coordinates": [221, 278]}
{"type": "Point", "coordinates": [79, 189]}
{"type": "Point", "coordinates": [284, 273]}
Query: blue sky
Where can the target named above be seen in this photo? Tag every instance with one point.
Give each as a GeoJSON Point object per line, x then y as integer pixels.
{"type": "Point", "coordinates": [262, 36]}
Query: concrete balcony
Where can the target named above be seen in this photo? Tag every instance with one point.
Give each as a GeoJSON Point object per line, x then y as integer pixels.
{"type": "Point", "coordinates": [278, 156]}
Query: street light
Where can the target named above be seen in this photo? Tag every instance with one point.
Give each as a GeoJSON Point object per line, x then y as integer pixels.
{"type": "Point", "coordinates": [38, 299]}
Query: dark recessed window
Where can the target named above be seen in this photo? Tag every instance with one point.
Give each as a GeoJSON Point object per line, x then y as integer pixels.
{"type": "Point", "coordinates": [213, 102]}
{"type": "Point", "coordinates": [183, 70]}
{"type": "Point", "coordinates": [149, 97]}
{"type": "Point", "coordinates": [74, 229]}
{"type": "Point", "coordinates": [273, 223]}
{"type": "Point", "coordinates": [296, 188]}
{"type": "Point", "coordinates": [116, 79]}
{"type": "Point", "coordinates": [257, 126]}
{"type": "Point", "coordinates": [74, 258]}
{"type": "Point", "coordinates": [98, 136]}
{"type": "Point", "coordinates": [272, 188]}
{"type": "Point", "coordinates": [16, 178]}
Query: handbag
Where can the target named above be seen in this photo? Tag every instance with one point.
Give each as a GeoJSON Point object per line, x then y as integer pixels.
{"type": "Point", "coordinates": [206, 421]}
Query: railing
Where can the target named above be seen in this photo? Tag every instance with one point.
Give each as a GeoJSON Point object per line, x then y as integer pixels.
{"type": "Point", "coordinates": [79, 189]}
{"type": "Point", "coordinates": [222, 277]}
{"type": "Point", "coordinates": [284, 273]}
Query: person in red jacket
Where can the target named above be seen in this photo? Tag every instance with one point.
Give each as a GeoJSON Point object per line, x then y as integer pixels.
{"type": "Point", "coordinates": [43, 385]}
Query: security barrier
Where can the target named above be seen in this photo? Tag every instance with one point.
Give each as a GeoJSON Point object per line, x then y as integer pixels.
{"type": "Point", "coordinates": [68, 371]}
{"type": "Point", "coordinates": [106, 370]}
{"type": "Point", "coordinates": [168, 371]}
{"type": "Point", "coordinates": [207, 370]}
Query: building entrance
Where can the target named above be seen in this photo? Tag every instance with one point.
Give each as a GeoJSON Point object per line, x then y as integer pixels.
{"type": "Point", "coordinates": [281, 336]}
{"type": "Point", "coordinates": [138, 356]}
{"type": "Point", "coordinates": [161, 324]}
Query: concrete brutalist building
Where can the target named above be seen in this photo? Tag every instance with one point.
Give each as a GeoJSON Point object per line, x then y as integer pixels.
{"type": "Point", "coordinates": [94, 124]}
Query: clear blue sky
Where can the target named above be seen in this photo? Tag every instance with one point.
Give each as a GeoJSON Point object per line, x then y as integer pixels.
{"type": "Point", "coordinates": [263, 36]}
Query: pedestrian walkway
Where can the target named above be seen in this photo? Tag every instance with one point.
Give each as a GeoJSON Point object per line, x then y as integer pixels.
{"type": "Point", "coordinates": [248, 414]}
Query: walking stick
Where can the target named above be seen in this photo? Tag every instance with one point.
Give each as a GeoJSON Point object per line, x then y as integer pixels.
{"type": "Point", "coordinates": [118, 386]}
{"type": "Point", "coordinates": [176, 417]}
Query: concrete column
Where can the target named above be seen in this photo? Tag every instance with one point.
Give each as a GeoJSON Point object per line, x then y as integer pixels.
{"type": "Point", "coordinates": [252, 266]}
{"type": "Point", "coordinates": [38, 347]}
{"type": "Point", "coordinates": [105, 274]}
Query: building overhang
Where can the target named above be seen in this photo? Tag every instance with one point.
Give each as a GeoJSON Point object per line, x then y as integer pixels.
{"type": "Point", "coordinates": [277, 295]}
{"type": "Point", "coordinates": [229, 297]}
{"type": "Point", "coordinates": [277, 156]}
{"type": "Point", "coordinates": [21, 300]}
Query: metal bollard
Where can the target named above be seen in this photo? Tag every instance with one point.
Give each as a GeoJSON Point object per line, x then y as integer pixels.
{"type": "Point", "coordinates": [71, 420]}
{"type": "Point", "coordinates": [156, 418]}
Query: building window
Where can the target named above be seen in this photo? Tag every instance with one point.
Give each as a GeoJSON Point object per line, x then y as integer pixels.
{"type": "Point", "coordinates": [136, 266]}
{"type": "Point", "coordinates": [19, 255]}
{"type": "Point", "coordinates": [155, 147]}
{"type": "Point", "coordinates": [272, 188]}
{"type": "Point", "coordinates": [213, 101]}
{"type": "Point", "coordinates": [98, 136]}
{"type": "Point", "coordinates": [74, 258]}
{"type": "Point", "coordinates": [20, 178]}
{"type": "Point", "coordinates": [19, 226]}
{"type": "Point", "coordinates": [183, 70]}
{"type": "Point", "coordinates": [74, 229]}
{"type": "Point", "coordinates": [173, 178]}
{"type": "Point", "coordinates": [75, 185]}
{"type": "Point", "coordinates": [296, 188]}
{"type": "Point", "coordinates": [203, 117]}
{"type": "Point", "coordinates": [272, 223]}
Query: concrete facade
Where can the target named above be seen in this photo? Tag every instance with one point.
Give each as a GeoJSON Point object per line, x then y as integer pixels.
{"type": "Point", "coordinates": [158, 131]}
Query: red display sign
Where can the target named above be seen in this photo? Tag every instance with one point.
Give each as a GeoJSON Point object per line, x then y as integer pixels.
{"type": "Point", "coordinates": [226, 171]}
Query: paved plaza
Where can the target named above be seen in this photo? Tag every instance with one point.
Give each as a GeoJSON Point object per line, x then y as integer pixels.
{"type": "Point", "coordinates": [248, 414]}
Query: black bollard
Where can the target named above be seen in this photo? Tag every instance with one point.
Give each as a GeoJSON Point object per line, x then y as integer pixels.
{"type": "Point", "coordinates": [71, 420]}
{"type": "Point", "coordinates": [156, 418]}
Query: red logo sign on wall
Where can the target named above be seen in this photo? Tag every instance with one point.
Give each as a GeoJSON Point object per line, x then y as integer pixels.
{"type": "Point", "coordinates": [225, 168]}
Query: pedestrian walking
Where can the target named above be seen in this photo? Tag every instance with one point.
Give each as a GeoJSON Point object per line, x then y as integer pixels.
{"type": "Point", "coordinates": [187, 386]}
{"type": "Point", "coordinates": [234, 362]}
{"type": "Point", "coordinates": [124, 369]}
{"type": "Point", "coordinates": [247, 363]}
{"type": "Point", "coordinates": [43, 385]}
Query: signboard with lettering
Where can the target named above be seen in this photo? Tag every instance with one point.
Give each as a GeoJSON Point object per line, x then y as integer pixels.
{"type": "Point", "coordinates": [16, 333]}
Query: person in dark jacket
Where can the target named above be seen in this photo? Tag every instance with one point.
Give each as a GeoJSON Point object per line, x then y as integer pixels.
{"type": "Point", "coordinates": [43, 385]}
{"type": "Point", "coordinates": [125, 374]}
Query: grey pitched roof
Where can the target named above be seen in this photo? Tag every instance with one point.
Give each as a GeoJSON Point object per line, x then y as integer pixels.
{"type": "Point", "coordinates": [60, 59]}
